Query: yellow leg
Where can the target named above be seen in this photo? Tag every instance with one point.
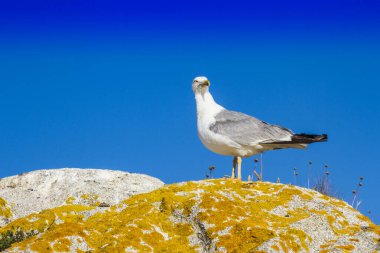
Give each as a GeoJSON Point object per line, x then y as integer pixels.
{"type": "Point", "coordinates": [233, 167]}
{"type": "Point", "coordinates": [239, 167]}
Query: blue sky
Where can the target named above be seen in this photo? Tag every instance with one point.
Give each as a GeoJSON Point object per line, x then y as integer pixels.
{"type": "Point", "coordinates": [108, 85]}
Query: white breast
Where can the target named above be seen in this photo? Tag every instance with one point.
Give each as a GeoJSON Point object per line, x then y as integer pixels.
{"type": "Point", "coordinates": [207, 109]}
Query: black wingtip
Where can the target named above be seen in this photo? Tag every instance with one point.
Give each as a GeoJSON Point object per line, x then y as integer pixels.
{"type": "Point", "coordinates": [309, 138]}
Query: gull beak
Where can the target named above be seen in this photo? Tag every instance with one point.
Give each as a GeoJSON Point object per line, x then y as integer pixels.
{"type": "Point", "coordinates": [207, 83]}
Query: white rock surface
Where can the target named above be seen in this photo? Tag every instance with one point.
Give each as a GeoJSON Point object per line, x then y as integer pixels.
{"type": "Point", "coordinates": [44, 189]}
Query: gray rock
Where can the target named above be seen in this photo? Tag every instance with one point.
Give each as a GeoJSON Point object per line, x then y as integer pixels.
{"type": "Point", "coordinates": [44, 189]}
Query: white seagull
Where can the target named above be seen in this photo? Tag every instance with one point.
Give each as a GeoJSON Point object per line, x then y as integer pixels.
{"type": "Point", "coordinates": [237, 134]}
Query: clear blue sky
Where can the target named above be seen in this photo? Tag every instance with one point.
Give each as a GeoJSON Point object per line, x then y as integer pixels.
{"type": "Point", "coordinates": [107, 84]}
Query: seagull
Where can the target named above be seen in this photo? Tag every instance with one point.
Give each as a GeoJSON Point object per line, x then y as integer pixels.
{"type": "Point", "coordinates": [237, 134]}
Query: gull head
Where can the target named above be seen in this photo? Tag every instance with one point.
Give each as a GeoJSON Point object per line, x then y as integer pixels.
{"type": "Point", "coordinates": [200, 84]}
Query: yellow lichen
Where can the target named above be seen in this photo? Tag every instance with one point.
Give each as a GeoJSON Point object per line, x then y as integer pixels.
{"type": "Point", "coordinates": [345, 248]}
{"type": "Point", "coordinates": [324, 246]}
{"type": "Point", "coordinates": [237, 216]}
{"type": "Point", "coordinates": [70, 200]}
{"type": "Point", "coordinates": [62, 245]}
{"type": "Point", "coordinates": [41, 246]}
{"type": "Point", "coordinates": [5, 210]}
{"type": "Point", "coordinates": [90, 199]}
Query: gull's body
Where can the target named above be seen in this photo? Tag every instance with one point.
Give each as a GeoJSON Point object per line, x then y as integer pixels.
{"type": "Point", "coordinates": [236, 134]}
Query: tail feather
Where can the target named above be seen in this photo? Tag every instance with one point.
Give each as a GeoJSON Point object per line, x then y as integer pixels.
{"type": "Point", "coordinates": [304, 139]}
{"type": "Point", "coordinates": [309, 138]}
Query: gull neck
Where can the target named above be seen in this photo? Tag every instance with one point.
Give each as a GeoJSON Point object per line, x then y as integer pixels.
{"type": "Point", "coordinates": [206, 104]}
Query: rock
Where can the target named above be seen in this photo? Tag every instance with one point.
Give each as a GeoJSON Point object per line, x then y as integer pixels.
{"type": "Point", "coordinates": [44, 189]}
{"type": "Point", "coordinates": [5, 212]}
{"type": "Point", "coordinates": [205, 216]}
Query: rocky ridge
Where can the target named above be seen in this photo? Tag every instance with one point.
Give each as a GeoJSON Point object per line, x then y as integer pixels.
{"type": "Point", "coordinates": [35, 191]}
{"type": "Point", "coordinates": [204, 216]}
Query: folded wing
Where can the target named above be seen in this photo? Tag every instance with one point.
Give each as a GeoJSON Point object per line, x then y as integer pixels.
{"type": "Point", "coordinates": [247, 130]}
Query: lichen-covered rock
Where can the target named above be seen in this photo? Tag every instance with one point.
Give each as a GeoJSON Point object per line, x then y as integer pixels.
{"type": "Point", "coordinates": [35, 191]}
{"type": "Point", "coordinates": [205, 216]}
{"type": "Point", "coordinates": [5, 212]}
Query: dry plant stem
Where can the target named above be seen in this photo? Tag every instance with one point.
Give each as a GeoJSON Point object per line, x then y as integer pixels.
{"type": "Point", "coordinates": [257, 175]}
{"type": "Point", "coordinates": [327, 178]}
{"type": "Point", "coordinates": [261, 167]}
{"type": "Point", "coordinates": [211, 169]}
{"type": "Point", "coordinates": [308, 177]}
{"type": "Point", "coordinates": [355, 195]}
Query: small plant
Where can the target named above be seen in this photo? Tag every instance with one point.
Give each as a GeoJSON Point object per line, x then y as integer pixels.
{"type": "Point", "coordinates": [322, 185]}
{"type": "Point", "coordinates": [356, 194]}
{"type": "Point", "coordinates": [9, 237]}
{"type": "Point", "coordinates": [310, 174]}
{"type": "Point", "coordinates": [211, 169]}
{"type": "Point", "coordinates": [295, 172]}
{"type": "Point", "coordinates": [258, 176]}
{"type": "Point", "coordinates": [327, 173]}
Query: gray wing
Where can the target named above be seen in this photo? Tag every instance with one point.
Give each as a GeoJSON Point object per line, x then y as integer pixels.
{"type": "Point", "coordinates": [247, 130]}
